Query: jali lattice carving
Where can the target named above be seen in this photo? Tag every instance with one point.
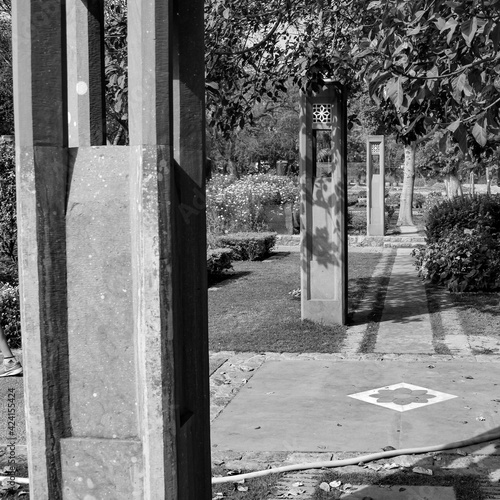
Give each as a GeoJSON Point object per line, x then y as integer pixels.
{"type": "Point", "coordinates": [322, 113]}
{"type": "Point", "coordinates": [375, 148]}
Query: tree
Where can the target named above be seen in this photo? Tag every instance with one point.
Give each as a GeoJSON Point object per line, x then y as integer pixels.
{"type": "Point", "coordinates": [271, 137]}
{"type": "Point", "coordinates": [254, 49]}
{"type": "Point", "coordinates": [421, 50]}
{"type": "Point", "coordinates": [433, 62]}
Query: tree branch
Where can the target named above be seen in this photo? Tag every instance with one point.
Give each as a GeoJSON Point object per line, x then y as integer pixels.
{"type": "Point", "coordinates": [257, 45]}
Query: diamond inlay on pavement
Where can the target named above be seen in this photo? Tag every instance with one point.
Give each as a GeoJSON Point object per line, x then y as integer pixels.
{"type": "Point", "coordinates": [402, 397]}
{"type": "Point", "coordinates": [309, 406]}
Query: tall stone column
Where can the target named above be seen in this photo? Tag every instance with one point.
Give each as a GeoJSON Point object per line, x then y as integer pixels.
{"type": "Point", "coordinates": [375, 183]}
{"type": "Point", "coordinates": [112, 255]}
{"type": "Point", "coordinates": [323, 181]}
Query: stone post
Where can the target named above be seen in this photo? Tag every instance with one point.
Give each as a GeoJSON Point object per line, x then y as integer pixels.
{"type": "Point", "coordinates": [375, 185]}
{"type": "Point", "coordinates": [112, 251]}
{"type": "Point", "coordinates": [323, 179]}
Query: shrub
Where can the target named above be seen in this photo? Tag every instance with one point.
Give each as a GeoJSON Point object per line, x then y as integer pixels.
{"type": "Point", "coordinates": [239, 204]}
{"type": "Point", "coordinates": [431, 200]}
{"type": "Point", "coordinates": [8, 223]}
{"type": "Point", "coordinates": [463, 260]}
{"type": "Point", "coordinates": [356, 222]}
{"type": "Point", "coordinates": [389, 209]}
{"type": "Point", "coordinates": [10, 318]}
{"type": "Point", "coordinates": [218, 261]}
{"type": "Point", "coordinates": [352, 199]}
{"type": "Point", "coordinates": [393, 199]}
{"type": "Point", "coordinates": [463, 212]}
{"type": "Point", "coordinates": [248, 246]}
{"type": "Point", "coordinates": [418, 200]}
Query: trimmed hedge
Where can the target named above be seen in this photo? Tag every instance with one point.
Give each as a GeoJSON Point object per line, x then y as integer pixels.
{"type": "Point", "coordinates": [218, 261]}
{"type": "Point", "coordinates": [463, 212]}
{"type": "Point", "coordinates": [248, 246]}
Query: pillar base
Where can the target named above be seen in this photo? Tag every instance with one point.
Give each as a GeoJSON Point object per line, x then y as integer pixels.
{"type": "Point", "coordinates": [408, 229]}
{"type": "Point", "coordinates": [102, 468]}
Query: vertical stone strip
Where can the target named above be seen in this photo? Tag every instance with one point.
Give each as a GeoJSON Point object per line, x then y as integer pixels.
{"type": "Point", "coordinates": [150, 167]}
{"type": "Point", "coordinates": [189, 252]}
{"type": "Point", "coordinates": [169, 246]}
{"type": "Point", "coordinates": [41, 140]}
{"type": "Point", "coordinates": [86, 103]}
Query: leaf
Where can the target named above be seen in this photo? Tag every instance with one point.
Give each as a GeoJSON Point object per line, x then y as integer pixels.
{"type": "Point", "coordinates": [461, 84]}
{"type": "Point", "coordinates": [395, 92]}
{"type": "Point", "coordinates": [440, 24]}
{"type": "Point", "coordinates": [469, 29]}
{"type": "Point", "coordinates": [451, 24]}
{"type": "Point", "coordinates": [324, 486]}
{"type": "Point", "coordinates": [242, 488]}
{"type": "Point", "coordinates": [414, 31]}
{"type": "Point", "coordinates": [433, 72]}
{"type": "Point", "coordinates": [421, 470]}
{"type": "Point", "coordinates": [495, 36]}
{"type": "Point", "coordinates": [212, 85]}
{"type": "Point", "coordinates": [453, 126]}
{"type": "Point", "coordinates": [376, 83]}
{"type": "Point", "coordinates": [460, 135]}
{"type": "Point", "coordinates": [475, 79]}
{"type": "Point", "coordinates": [480, 131]}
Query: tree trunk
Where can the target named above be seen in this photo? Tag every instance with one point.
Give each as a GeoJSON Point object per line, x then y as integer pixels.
{"type": "Point", "coordinates": [453, 185]}
{"type": "Point", "coordinates": [472, 184]}
{"type": "Point", "coordinates": [231, 163]}
{"type": "Point", "coordinates": [406, 203]}
{"type": "Point", "coordinates": [488, 180]}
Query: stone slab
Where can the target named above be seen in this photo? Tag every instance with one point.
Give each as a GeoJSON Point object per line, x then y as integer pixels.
{"type": "Point", "coordinates": [401, 492]}
{"type": "Point", "coordinates": [304, 406]}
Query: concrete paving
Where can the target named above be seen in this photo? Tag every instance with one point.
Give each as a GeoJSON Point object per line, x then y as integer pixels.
{"type": "Point", "coordinates": [306, 406]}
{"type": "Point", "coordinates": [404, 395]}
{"type": "Point", "coordinates": [405, 325]}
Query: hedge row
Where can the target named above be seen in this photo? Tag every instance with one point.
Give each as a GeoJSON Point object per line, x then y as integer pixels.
{"type": "Point", "coordinates": [237, 246]}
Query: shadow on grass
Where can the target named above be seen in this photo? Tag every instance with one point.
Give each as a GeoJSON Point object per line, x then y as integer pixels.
{"type": "Point", "coordinates": [226, 278]}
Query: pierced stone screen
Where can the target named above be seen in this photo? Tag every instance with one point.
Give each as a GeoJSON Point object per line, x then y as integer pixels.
{"type": "Point", "coordinates": [375, 154]}
{"type": "Point", "coordinates": [322, 153]}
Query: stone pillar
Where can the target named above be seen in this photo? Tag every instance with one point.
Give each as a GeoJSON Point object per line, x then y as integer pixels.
{"type": "Point", "coordinates": [375, 185]}
{"type": "Point", "coordinates": [112, 249]}
{"type": "Point", "coordinates": [323, 179]}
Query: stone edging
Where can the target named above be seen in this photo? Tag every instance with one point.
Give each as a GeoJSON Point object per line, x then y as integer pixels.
{"type": "Point", "coordinates": [361, 240]}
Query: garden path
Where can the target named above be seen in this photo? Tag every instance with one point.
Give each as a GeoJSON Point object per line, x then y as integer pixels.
{"type": "Point", "coordinates": [276, 409]}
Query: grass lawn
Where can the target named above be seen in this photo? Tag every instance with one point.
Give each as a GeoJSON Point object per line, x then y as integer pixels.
{"type": "Point", "coordinates": [252, 309]}
{"type": "Point", "coordinates": [479, 312]}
